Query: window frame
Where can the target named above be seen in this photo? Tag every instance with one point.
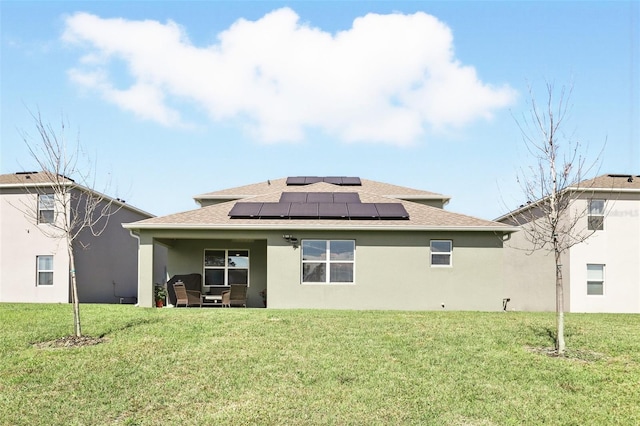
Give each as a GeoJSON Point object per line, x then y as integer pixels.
{"type": "Point", "coordinates": [39, 271]}
{"type": "Point", "coordinates": [51, 209]}
{"type": "Point", "coordinates": [595, 221]}
{"type": "Point", "coordinates": [328, 262]}
{"type": "Point", "coordinates": [433, 253]}
{"type": "Point", "coordinates": [600, 281]}
{"type": "Point", "coordinates": [226, 268]}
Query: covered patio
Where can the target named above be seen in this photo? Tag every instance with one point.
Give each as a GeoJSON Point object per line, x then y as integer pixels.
{"type": "Point", "coordinates": [205, 265]}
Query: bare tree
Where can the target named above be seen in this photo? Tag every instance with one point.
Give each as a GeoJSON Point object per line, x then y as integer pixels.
{"type": "Point", "coordinates": [550, 220]}
{"type": "Point", "coordinates": [68, 183]}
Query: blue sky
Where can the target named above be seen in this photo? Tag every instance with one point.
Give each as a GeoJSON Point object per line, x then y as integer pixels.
{"type": "Point", "coordinates": [174, 99]}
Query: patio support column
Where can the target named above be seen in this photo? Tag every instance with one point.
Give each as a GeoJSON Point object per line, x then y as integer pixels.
{"type": "Point", "coordinates": [145, 271]}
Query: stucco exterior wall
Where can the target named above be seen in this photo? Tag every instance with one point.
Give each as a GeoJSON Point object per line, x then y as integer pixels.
{"type": "Point", "coordinates": [21, 240]}
{"type": "Point", "coordinates": [392, 271]}
{"type": "Point", "coordinates": [617, 247]}
{"type": "Point", "coordinates": [530, 279]}
{"type": "Point", "coordinates": [107, 265]}
{"type": "Point", "coordinates": [146, 278]}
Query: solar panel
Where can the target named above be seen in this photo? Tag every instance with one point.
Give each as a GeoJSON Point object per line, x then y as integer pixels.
{"type": "Point", "coordinates": [351, 181]}
{"type": "Point", "coordinates": [362, 211]}
{"type": "Point", "coordinates": [296, 180]}
{"type": "Point", "coordinates": [320, 197]}
{"type": "Point", "coordinates": [245, 210]}
{"type": "Point", "coordinates": [293, 197]}
{"type": "Point", "coordinates": [275, 210]}
{"type": "Point", "coordinates": [391, 211]}
{"type": "Point", "coordinates": [303, 210]}
{"type": "Point", "coordinates": [336, 180]}
{"type": "Point", "coordinates": [333, 210]}
{"type": "Point", "coordinates": [312, 179]}
{"type": "Point", "coordinates": [346, 197]}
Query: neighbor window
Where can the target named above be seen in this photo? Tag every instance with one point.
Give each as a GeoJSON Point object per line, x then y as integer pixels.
{"type": "Point", "coordinates": [46, 205]}
{"type": "Point", "coordinates": [226, 267]}
{"type": "Point", "coordinates": [596, 215]}
{"type": "Point", "coordinates": [328, 261]}
{"type": "Point", "coordinates": [441, 252]}
{"type": "Point", "coordinates": [44, 266]}
{"type": "Point", "coordinates": [595, 279]}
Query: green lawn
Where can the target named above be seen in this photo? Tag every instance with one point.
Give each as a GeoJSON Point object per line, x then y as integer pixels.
{"type": "Point", "coordinates": [299, 367]}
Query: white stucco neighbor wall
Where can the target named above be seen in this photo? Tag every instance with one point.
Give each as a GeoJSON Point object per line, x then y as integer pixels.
{"type": "Point", "coordinates": [21, 241]}
{"type": "Point", "coordinates": [618, 248]}
{"type": "Point", "coordinates": [106, 266]}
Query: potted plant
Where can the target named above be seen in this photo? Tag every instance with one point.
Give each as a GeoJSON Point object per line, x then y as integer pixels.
{"type": "Point", "coordinates": [159, 293]}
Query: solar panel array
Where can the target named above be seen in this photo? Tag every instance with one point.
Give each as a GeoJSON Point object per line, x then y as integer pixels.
{"type": "Point", "coordinates": [336, 180]}
{"type": "Point", "coordinates": [318, 210]}
{"type": "Point", "coordinates": [320, 197]}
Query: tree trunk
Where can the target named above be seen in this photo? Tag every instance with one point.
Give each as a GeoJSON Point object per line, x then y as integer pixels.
{"type": "Point", "coordinates": [74, 293]}
{"type": "Point", "coordinates": [560, 345]}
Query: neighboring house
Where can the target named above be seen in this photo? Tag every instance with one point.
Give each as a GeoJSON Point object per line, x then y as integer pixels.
{"type": "Point", "coordinates": [34, 267]}
{"type": "Point", "coordinates": [601, 274]}
{"type": "Point", "coordinates": [331, 243]}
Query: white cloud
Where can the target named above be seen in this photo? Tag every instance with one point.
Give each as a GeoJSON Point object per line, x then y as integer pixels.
{"type": "Point", "coordinates": [386, 79]}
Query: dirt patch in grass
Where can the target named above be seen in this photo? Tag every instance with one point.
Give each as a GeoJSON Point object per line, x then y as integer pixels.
{"type": "Point", "coordinates": [570, 354]}
{"type": "Point", "coordinates": [70, 342]}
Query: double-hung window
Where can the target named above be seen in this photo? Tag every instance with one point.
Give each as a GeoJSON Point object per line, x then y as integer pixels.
{"type": "Point", "coordinates": [328, 261]}
{"type": "Point", "coordinates": [44, 270]}
{"type": "Point", "coordinates": [46, 208]}
{"type": "Point", "coordinates": [441, 253]}
{"type": "Point", "coordinates": [596, 215]}
{"type": "Point", "coordinates": [595, 279]}
{"type": "Point", "coordinates": [226, 267]}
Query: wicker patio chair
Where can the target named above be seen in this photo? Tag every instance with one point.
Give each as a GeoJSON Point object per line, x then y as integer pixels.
{"type": "Point", "coordinates": [186, 297]}
{"type": "Point", "coordinates": [235, 296]}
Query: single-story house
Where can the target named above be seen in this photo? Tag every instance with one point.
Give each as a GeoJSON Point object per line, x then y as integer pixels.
{"type": "Point", "coordinates": [330, 243]}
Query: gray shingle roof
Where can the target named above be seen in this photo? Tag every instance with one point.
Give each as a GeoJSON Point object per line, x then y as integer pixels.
{"type": "Point", "coordinates": [279, 185]}
{"type": "Point", "coordinates": [612, 182]}
{"type": "Point", "coordinates": [28, 178]}
{"type": "Point", "coordinates": [44, 180]}
{"type": "Point", "coordinates": [421, 216]}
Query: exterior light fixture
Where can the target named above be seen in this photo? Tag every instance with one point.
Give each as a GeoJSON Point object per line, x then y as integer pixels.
{"type": "Point", "coordinates": [291, 240]}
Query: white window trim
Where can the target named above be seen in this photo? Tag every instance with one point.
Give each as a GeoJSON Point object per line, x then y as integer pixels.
{"type": "Point", "coordinates": [599, 215]}
{"type": "Point", "coordinates": [328, 263]}
{"type": "Point", "coordinates": [52, 209]}
{"type": "Point", "coordinates": [431, 253]}
{"type": "Point", "coordinates": [603, 281]}
{"type": "Point", "coordinates": [226, 267]}
{"type": "Point", "coordinates": [38, 271]}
